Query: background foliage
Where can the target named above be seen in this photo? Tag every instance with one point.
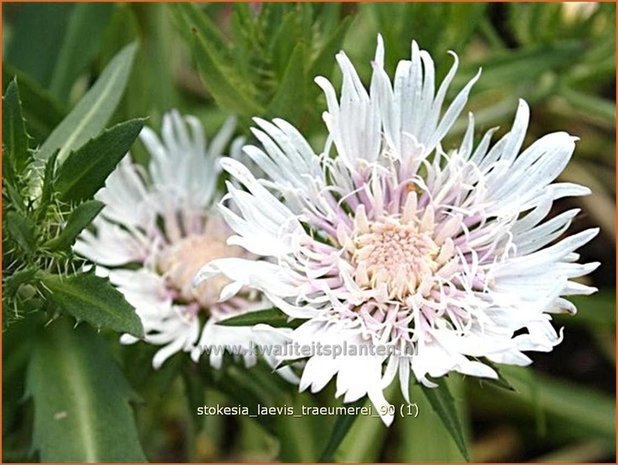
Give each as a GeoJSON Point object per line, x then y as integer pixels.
{"type": "Point", "coordinates": [77, 78]}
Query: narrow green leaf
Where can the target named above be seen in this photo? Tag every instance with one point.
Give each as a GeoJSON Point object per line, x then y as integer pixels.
{"type": "Point", "coordinates": [502, 382]}
{"type": "Point", "coordinates": [93, 111]}
{"type": "Point", "coordinates": [10, 179]}
{"type": "Point", "coordinates": [591, 104]}
{"type": "Point", "coordinates": [153, 87]}
{"type": "Point", "coordinates": [464, 19]}
{"type": "Point", "coordinates": [17, 343]}
{"type": "Point", "coordinates": [527, 381]}
{"type": "Point", "coordinates": [216, 71]}
{"type": "Point", "coordinates": [80, 218]}
{"type": "Point", "coordinates": [288, 101]}
{"type": "Point", "coordinates": [41, 110]}
{"type": "Point", "coordinates": [187, 13]}
{"type": "Point", "coordinates": [488, 30]}
{"type": "Point", "coordinates": [93, 299]}
{"type": "Point", "coordinates": [271, 316]}
{"type": "Point", "coordinates": [515, 67]}
{"type": "Point", "coordinates": [284, 40]}
{"type": "Point", "coordinates": [86, 20]}
{"type": "Point", "coordinates": [48, 189]}
{"type": "Point", "coordinates": [535, 394]}
{"type": "Point", "coordinates": [427, 426]}
{"type": "Point", "coordinates": [82, 409]}
{"type": "Point", "coordinates": [324, 62]}
{"type": "Point", "coordinates": [84, 172]}
{"type": "Point", "coordinates": [237, 384]}
{"type": "Point", "coordinates": [222, 82]}
{"type": "Point", "coordinates": [364, 441]}
{"type": "Point", "coordinates": [339, 432]}
{"type": "Point", "coordinates": [14, 137]}
{"type": "Point", "coordinates": [20, 230]}
{"type": "Point", "coordinates": [586, 411]}
{"type": "Point", "coordinates": [195, 393]}
{"type": "Point", "coordinates": [122, 29]}
{"type": "Point", "coordinates": [248, 31]}
{"type": "Point", "coordinates": [443, 404]}
{"type": "Point", "coordinates": [11, 193]}
{"type": "Point", "coordinates": [499, 383]}
{"type": "Point", "coordinates": [300, 437]}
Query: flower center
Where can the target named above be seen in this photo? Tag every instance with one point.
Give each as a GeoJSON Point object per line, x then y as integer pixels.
{"type": "Point", "coordinates": [398, 254]}
{"type": "Point", "coordinates": [180, 262]}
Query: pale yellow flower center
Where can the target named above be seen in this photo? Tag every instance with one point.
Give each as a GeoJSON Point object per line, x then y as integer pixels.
{"type": "Point", "coordinates": [180, 262]}
{"type": "Point", "coordinates": [398, 254]}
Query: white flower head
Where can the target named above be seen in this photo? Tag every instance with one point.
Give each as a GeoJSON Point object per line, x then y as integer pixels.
{"type": "Point", "coordinates": [157, 228]}
{"type": "Point", "coordinates": [442, 258]}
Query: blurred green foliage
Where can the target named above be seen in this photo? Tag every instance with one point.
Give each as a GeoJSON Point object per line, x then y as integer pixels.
{"type": "Point", "coordinates": [260, 60]}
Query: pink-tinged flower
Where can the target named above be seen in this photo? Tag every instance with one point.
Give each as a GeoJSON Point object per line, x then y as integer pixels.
{"type": "Point", "coordinates": [157, 229]}
{"type": "Point", "coordinates": [385, 239]}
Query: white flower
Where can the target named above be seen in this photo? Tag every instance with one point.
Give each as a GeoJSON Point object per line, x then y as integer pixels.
{"type": "Point", "coordinates": [443, 258]}
{"type": "Point", "coordinates": [157, 229]}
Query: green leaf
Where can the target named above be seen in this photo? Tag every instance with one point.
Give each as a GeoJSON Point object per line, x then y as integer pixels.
{"type": "Point", "coordinates": [189, 14]}
{"type": "Point", "coordinates": [93, 299]}
{"type": "Point", "coordinates": [238, 385]}
{"type": "Point", "coordinates": [36, 38]}
{"type": "Point", "coordinates": [195, 393]}
{"type": "Point", "coordinates": [42, 111]}
{"type": "Point", "coordinates": [82, 409]}
{"type": "Point", "coordinates": [86, 20]}
{"type": "Point", "coordinates": [20, 230]}
{"type": "Point", "coordinates": [300, 437]}
{"type": "Point", "coordinates": [47, 190]}
{"type": "Point", "coordinates": [222, 81]}
{"type": "Point", "coordinates": [429, 425]}
{"type": "Point", "coordinates": [12, 194]}
{"type": "Point", "coordinates": [10, 182]}
{"type": "Point", "coordinates": [443, 405]}
{"type": "Point", "coordinates": [586, 411]}
{"type": "Point", "coordinates": [597, 310]}
{"type": "Point", "coordinates": [80, 218]}
{"type": "Point", "coordinates": [364, 441]}
{"type": "Point", "coordinates": [530, 378]}
{"type": "Point", "coordinates": [17, 344]}
{"type": "Point", "coordinates": [516, 67]}
{"type": "Point", "coordinates": [324, 62]}
{"type": "Point", "coordinates": [84, 172]}
{"type": "Point", "coordinates": [217, 73]}
{"type": "Point", "coordinates": [339, 432]}
{"type": "Point", "coordinates": [93, 111]}
{"type": "Point", "coordinates": [284, 40]}
{"type": "Point", "coordinates": [501, 382]}
{"type": "Point", "coordinates": [436, 27]}
{"type": "Point", "coordinates": [152, 88]}
{"type": "Point", "coordinates": [271, 316]}
{"type": "Point", "coordinates": [288, 101]}
{"type": "Point", "coordinates": [464, 19]}
{"type": "Point", "coordinates": [591, 104]}
{"type": "Point", "coordinates": [249, 36]}
{"type": "Point", "coordinates": [14, 137]}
